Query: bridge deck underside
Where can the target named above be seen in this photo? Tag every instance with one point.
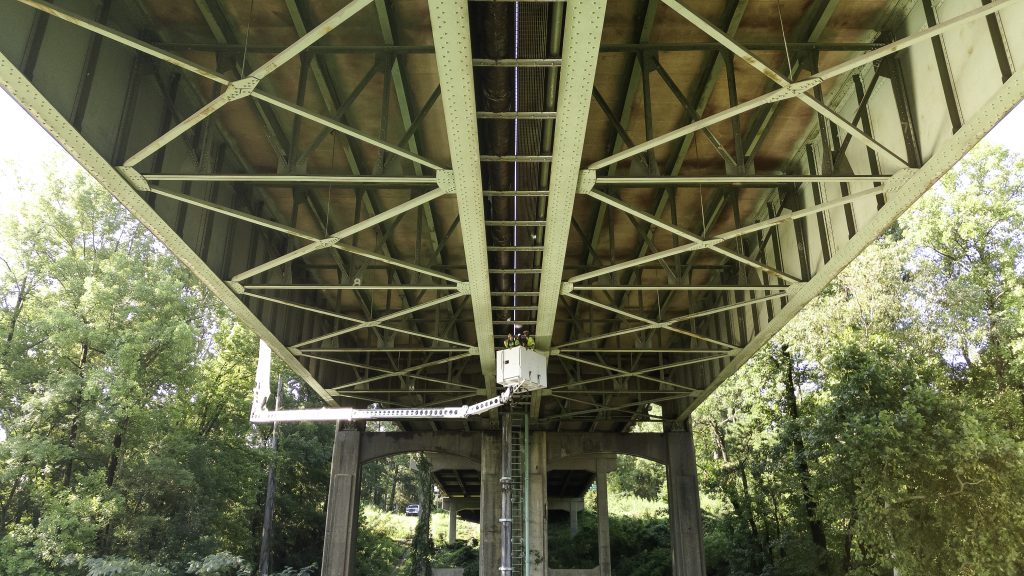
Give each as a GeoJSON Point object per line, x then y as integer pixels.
{"type": "Point", "coordinates": [383, 190]}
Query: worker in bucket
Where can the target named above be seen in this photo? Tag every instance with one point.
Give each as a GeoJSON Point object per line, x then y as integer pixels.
{"type": "Point", "coordinates": [526, 341]}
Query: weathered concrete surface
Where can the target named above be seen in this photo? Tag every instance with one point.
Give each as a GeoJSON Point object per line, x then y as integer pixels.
{"type": "Point", "coordinates": [567, 445]}
{"type": "Point", "coordinates": [687, 529]}
{"type": "Point", "coordinates": [490, 503]}
{"type": "Point", "coordinates": [382, 444]}
{"type": "Point", "coordinates": [342, 505]}
{"type": "Point", "coordinates": [538, 504]}
{"type": "Point", "coordinates": [604, 544]}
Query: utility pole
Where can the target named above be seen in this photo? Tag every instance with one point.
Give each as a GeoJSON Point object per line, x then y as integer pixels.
{"type": "Point", "coordinates": [268, 508]}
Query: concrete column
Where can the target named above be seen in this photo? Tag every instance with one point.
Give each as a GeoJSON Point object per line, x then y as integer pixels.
{"type": "Point", "coordinates": [342, 506]}
{"type": "Point", "coordinates": [604, 545]}
{"type": "Point", "coordinates": [574, 518]}
{"type": "Point", "coordinates": [687, 528]}
{"type": "Point", "coordinates": [453, 515]}
{"type": "Point", "coordinates": [538, 504]}
{"type": "Point", "coordinates": [490, 503]}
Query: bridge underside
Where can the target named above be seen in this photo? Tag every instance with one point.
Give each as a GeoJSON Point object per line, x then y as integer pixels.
{"type": "Point", "coordinates": [382, 190]}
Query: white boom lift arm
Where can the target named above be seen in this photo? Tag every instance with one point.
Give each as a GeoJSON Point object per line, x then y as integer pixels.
{"type": "Point", "coordinates": [532, 377]}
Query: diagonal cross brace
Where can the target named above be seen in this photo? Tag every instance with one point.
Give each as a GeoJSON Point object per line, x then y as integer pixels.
{"type": "Point", "coordinates": [340, 235]}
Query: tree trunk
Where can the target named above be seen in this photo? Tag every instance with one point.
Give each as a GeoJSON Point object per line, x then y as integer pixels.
{"type": "Point", "coordinates": [16, 311]}
{"type": "Point", "coordinates": [742, 504]}
{"type": "Point", "coordinates": [115, 448]}
{"type": "Point", "coordinates": [810, 505]}
{"type": "Point", "coordinates": [6, 508]}
{"type": "Point", "coordinates": [69, 466]}
{"type": "Point", "coordinates": [394, 486]}
{"type": "Point", "coordinates": [848, 543]}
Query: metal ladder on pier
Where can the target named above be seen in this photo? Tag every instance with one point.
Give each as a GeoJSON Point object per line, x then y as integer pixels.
{"type": "Point", "coordinates": [515, 493]}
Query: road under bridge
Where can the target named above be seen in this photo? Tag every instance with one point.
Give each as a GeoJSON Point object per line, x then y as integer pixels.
{"type": "Point", "coordinates": [382, 190]}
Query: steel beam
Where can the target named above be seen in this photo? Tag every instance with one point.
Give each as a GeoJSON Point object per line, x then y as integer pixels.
{"type": "Point", "coordinates": [238, 88]}
{"type": "Point", "coordinates": [416, 287]}
{"type": "Point", "coordinates": [238, 214]}
{"type": "Point", "coordinates": [449, 21]}
{"type": "Point", "coordinates": [729, 180]}
{"type": "Point", "coordinates": [325, 179]}
{"type": "Point", "coordinates": [649, 324]}
{"type": "Point", "coordinates": [719, 238]}
{"type": "Point", "coordinates": [696, 242]}
{"type": "Point", "coordinates": [681, 287]}
{"type": "Point", "coordinates": [711, 69]}
{"type": "Point", "coordinates": [584, 22]}
{"type": "Point", "coordinates": [585, 19]}
{"type": "Point", "coordinates": [411, 371]}
{"type": "Point", "coordinates": [783, 82]}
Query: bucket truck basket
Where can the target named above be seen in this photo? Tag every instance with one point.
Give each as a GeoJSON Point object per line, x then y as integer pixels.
{"type": "Point", "coordinates": [523, 368]}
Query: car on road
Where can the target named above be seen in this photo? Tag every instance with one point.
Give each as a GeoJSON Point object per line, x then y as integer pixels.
{"type": "Point", "coordinates": [412, 510]}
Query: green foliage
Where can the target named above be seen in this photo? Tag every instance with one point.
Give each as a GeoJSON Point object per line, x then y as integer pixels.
{"type": "Point", "coordinates": [377, 543]}
{"type": "Point", "coordinates": [390, 483]}
{"type": "Point", "coordinates": [640, 542]}
{"type": "Point", "coordinates": [641, 545]}
{"type": "Point", "coordinates": [458, 555]}
{"type": "Point", "coordinates": [311, 570]}
{"type": "Point", "coordinates": [119, 397]}
{"type": "Point", "coordinates": [122, 567]}
{"type": "Point", "coordinates": [888, 414]}
{"type": "Point", "coordinates": [220, 564]}
{"type": "Point", "coordinates": [643, 478]}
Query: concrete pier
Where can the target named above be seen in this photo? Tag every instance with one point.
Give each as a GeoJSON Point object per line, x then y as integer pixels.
{"type": "Point", "coordinates": [562, 468]}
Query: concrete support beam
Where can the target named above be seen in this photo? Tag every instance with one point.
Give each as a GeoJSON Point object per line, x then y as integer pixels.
{"type": "Point", "coordinates": [342, 506]}
{"type": "Point", "coordinates": [453, 516]}
{"type": "Point", "coordinates": [686, 526]}
{"type": "Point", "coordinates": [490, 503]}
{"type": "Point", "coordinates": [604, 545]}
{"type": "Point", "coordinates": [574, 519]}
{"type": "Point", "coordinates": [458, 504]}
{"type": "Point", "coordinates": [538, 505]}
{"type": "Point", "coordinates": [445, 449]}
{"type": "Point", "coordinates": [576, 450]}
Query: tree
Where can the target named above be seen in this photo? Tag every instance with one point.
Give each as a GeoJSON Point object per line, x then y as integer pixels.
{"type": "Point", "coordinates": [120, 386]}
{"type": "Point", "coordinates": [883, 425]}
{"type": "Point", "coordinates": [422, 548]}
